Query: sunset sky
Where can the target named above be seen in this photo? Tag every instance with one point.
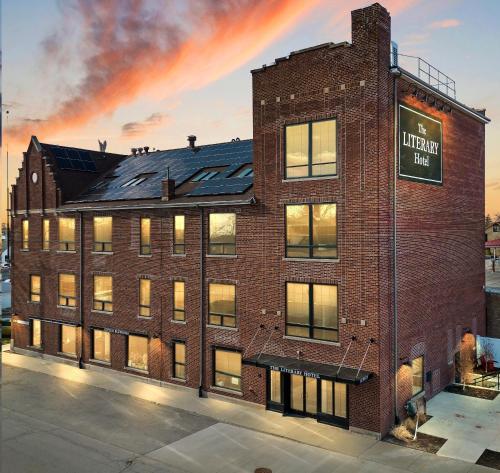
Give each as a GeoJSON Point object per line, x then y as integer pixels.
{"type": "Point", "coordinates": [137, 72]}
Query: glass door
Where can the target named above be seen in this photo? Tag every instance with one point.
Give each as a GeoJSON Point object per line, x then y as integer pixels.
{"type": "Point", "coordinates": [274, 390]}
{"type": "Point", "coordinates": [333, 403]}
{"type": "Point", "coordinates": [303, 395]}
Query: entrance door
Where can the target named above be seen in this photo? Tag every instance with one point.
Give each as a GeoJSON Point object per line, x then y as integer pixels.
{"type": "Point", "coordinates": [303, 395]}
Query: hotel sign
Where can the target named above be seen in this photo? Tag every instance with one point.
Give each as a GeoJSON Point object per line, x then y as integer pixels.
{"type": "Point", "coordinates": [307, 374]}
{"type": "Point", "coordinates": [420, 146]}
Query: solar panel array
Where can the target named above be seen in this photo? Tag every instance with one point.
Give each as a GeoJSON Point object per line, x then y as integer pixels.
{"type": "Point", "coordinates": [73, 159]}
{"type": "Point", "coordinates": [181, 165]}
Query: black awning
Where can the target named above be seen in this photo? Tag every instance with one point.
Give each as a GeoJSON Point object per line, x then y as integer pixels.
{"type": "Point", "coordinates": [309, 368]}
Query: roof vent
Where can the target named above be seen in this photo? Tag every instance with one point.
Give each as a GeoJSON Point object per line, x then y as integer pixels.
{"type": "Point", "coordinates": [139, 150]}
{"type": "Point", "coordinates": [133, 151]}
{"type": "Point", "coordinates": [192, 141]}
{"type": "Point", "coordinates": [146, 149]}
{"type": "Point", "coordinates": [236, 139]}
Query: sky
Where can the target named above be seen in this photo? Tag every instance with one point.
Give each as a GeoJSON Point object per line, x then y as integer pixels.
{"type": "Point", "coordinates": [151, 72]}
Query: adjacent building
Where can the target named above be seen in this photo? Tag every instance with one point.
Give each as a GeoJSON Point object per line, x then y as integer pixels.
{"type": "Point", "coordinates": [310, 269]}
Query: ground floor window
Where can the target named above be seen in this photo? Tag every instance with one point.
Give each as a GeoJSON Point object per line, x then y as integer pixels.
{"type": "Point", "coordinates": [333, 398]}
{"type": "Point", "coordinates": [36, 333]}
{"type": "Point", "coordinates": [101, 345]}
{"type": "Point", "coordinates": [138, 352]}
{"type": "Point", "coordinates": [227, 372]}
{"type": "Point", "coordinates": [417, 372]}
{"type": "Point", "coordinates": [275, 386]}
{"type": "Point", "coordinates": [180, 360]}
{"type": "Point", "coordinates": [68, 339]}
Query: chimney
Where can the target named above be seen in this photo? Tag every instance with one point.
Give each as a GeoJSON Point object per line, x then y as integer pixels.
{"type": "Point", "coordinates": [139, 150]}
{"type": "Point", "coordinates": [371, 31]}
{"type": "Point", "coordinates": [146, 149]}
{"type": "Point", "coordinates": [192, 141]}
{"type": "Point", "coordinates": [167, 188]}
{"type": "Point", "coordinates": [133, 151]}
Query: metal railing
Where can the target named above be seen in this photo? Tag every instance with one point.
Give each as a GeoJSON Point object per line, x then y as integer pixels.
{"type": "Point", "coordinates": [487, 377]}
{"type": "Point", "coordinates": [430, 74]}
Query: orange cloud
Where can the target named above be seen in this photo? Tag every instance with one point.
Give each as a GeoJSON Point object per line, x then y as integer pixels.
{"type": "Point", "coordinates": [133, 47]}
{"type": "Point", "coordinates": [448, 23]}
{"type": "Point", "coordinates": [135, 129]}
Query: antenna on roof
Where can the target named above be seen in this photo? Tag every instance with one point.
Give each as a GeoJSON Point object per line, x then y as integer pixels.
{"type": "Point", "coordinates": [102, 145]}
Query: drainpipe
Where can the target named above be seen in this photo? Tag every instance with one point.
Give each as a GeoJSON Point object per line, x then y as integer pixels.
{"type": "Point", "coordinates": [201, 391]}
{"type": "Point", "coordinates": [395, 73]}
{"type": "Point", "coordinates": [80, 354]}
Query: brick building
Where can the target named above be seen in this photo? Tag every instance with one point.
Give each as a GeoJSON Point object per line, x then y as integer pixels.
{"type": "Point", "coordinates": [308, 269]}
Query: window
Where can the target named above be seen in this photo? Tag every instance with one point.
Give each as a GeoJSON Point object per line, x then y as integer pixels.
{"type": "Point", "coordinates": [138, 352]}
{"type": "Point", "coordinates": [140, 178]}
{"type": "Point", "coordinates": [145, 236]}
{"type": "Point", "coordinates": [180, 360]}
{"type": "Point", "coordinates": [46, 234]}
{"type": "Point", "coordinates": [103, 230]}
{"type": "Point", "coordinates": [222, 304]}
{"type": "Point", "coordinates": [36, 333]}
{"type": "Point", "coordinates": [417, 371]}
{"type": "Point", "coordinates": [145, 297]}
{"type": "Point", "coordinates": [26, 235]}
{"type": "Point", "coordinates": [179, 300]}
{"type": "Point", "coordinates": [496, 228]}
{"type": "Point", "coordinates": [204, 175]}
{"type": "Point", "coordinates": [66, 234]}
{"type": "Point", "coordinates": [35, 287]}
{"type": "Point", "coordinates": [222, 234]}
{"type": "Point", "coordinates": [311, 149]}
{"type": "Point", "coordinates": [179, 227]}
{"type": "Point", "coordinates": [333, 398]}
{"type": "Point", "coordinates": [101, 346]}
{"type": "Point", "coordinates": [275, 387]}
{"type": "Point", "coordinates": [68, 339]}
{"type": "Point", "coordinates": [311, 231]}
{"type": "Point", "coordinates": [103, 293]}
{"type": "Point", "coordinates": [311, 311]}
{"type": "Point", "coordinates": [227, 372]}
{"type": "Point", "coordinates": [246, 171]}
{"type": "Point", "coordinates": [67, 290]}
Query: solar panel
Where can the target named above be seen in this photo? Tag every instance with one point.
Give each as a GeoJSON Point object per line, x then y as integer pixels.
{"type": "Point", "coordinates": [73, 159]}
{"type": "Point", "coordinates": [223, 186]}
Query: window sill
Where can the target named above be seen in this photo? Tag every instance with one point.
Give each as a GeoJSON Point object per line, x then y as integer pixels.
{"type": "Point", "coordinates": [33, 302]}
{"type": "Point", "coordinates": [222, 256]}
{"type": "Point", "coordinates": [226, 390]}
{"type": "Point", "coordinates": [144, 256]}
{"type": "Point", "coordinates": [66, 307]}
{"type": "Point", "coordinates": [313, 178]}
{"type": "Point", "coordinates": [223, 327]}
{"type": "Point", "coordinates": [179, 380]}
{"type": "Point", "coordinates": [136, 370]}
{"type": "Point", "coordinates": [145, 317]}
{"type": "Point", "coordinates": [179, 255]}
{"type": "Point", "coordinates": [101, 252]}
{"type": "Point", "coordinates": [24, 250]}
{"type": "Point", "coordinates": [66, 251]}
{"type": "Point", "coordinates": [100, 362]}
{"type": "Point", "coordinates": [45, 251]}
{"type": "Point", "coordinates": [313, 260]}
{"type": "Point", "coordinates": [101, 312]}
{"type": "Point", "coordinates": [180, 322]}
{"type": "Point", "coordinates": [68, 355]}
{"type": "Point", "coordinates": [311, 340]}
{"type": "Point", "coordinates": [33, 347]}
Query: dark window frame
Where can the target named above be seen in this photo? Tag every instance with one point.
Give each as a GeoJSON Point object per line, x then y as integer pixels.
{"type": "Point", "coordinates": [61, 339]}
{"type": "Point", "coordinates": [311, 325]}
{"type": "Point", "coordinates": [92, 345]}
{"type": "Point", "coordinates": [66, 245]}
{"type": "Point", "coordinates": [127, 352]}
{"type": "Point", "coordinates": [144, 307]}
{"type": "Point", "coordinates": [63, 300]}
{"type": "Point", "coordinates": [179, 248]}
{"type": "Point", "coordinates": [224, 246]}
{"type": "Point", "coordinates": [144, 249]}
{"type": "Point", "coordinates": [102, 246]}
{"type": "Point", "coordinates": [99, 304]}
{"type": "Point", "coordinates": [310, 165]}
{"type": "Point", "coordinates": [38, 295]}
{"type": "Point", "coordinates": [215, 371]}
{"type": "Point", "coordinates": [175, 362]}
{"type": "Point", "coordinates": [311, 246]}
{"type": "Point", "coordinates": [177, 310]}
{"type": "Point", "coordinates": [222, 315]}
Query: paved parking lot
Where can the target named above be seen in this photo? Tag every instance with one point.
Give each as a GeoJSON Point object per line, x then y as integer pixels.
{"type": "Point", "coordinates": [50, 424]}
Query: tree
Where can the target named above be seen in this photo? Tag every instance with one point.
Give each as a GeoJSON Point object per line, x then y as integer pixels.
{"type": "Point", "coordinates": [487, 221]}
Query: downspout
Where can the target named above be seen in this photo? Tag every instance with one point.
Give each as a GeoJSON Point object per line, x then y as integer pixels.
{"type": "Point", "coordinates": [395, 73]}
{"type": "Point", "coordinates": [201, 391]}
{"type": "Point", "coordinates": [80, 294]}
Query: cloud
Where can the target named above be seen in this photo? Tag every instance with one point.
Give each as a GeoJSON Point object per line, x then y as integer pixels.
{"type": "Point", "coordinates": [129, 48]}
{"type": "Point", "coordinates": [493, 185]}
{"type": "Point", "coordinates": [447, 23]}
{"type": "Point", "coordinates": [135, 129]}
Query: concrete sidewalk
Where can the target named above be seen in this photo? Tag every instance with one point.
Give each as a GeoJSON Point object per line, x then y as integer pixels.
{"type": "Point", "coordinates": [303, 430]}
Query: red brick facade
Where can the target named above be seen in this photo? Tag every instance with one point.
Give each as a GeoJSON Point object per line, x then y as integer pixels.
{"type": "Point", "coordinates": [440, 270]}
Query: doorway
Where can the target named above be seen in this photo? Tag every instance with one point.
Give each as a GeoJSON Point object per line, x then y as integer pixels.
{"type": "Point", "coordinates": [303, 395]}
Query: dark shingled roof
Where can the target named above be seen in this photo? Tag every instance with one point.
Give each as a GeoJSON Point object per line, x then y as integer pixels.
{"type": "Point", "coordinates": [179, 164]}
